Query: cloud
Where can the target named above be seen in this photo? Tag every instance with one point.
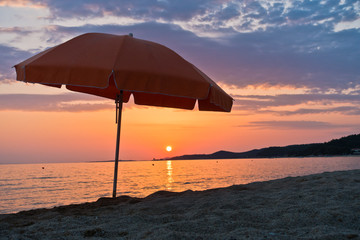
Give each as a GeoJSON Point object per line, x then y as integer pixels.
{"type": "Point", "coordinates": [345, 110]}
{"type": "Point", "coordinates": [9, 56]}
{"type": "Point", "coordinates": [17, 30]}
{"type": "Point", "coordinates": [294, 99]}
{"type": "Point", "coordinates": [20, 3]}
{"type": "Point", "coordinates": [238, 15]}
{"type": "Point", "coordinates": [322, 103]}
{"type": "Point", "coordinates": [70, 102]}
{"type": "Point", "coordinates": [295, 125]}
{"type": "Point", "coordinates": [249, 42]}
{"type": "Point", "coordinates": [297, 56]}
{"type": "Point", "coordinates": [146, 9]}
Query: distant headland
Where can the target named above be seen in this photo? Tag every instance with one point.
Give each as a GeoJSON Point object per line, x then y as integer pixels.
{"type": "Point", "coordinates": [349, 145]}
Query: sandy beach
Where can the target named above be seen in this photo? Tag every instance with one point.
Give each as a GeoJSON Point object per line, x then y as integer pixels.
{"type": "Point", "coordinates": [320, 206]}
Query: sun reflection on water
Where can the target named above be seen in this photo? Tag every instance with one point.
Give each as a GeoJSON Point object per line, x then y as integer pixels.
{"type": "Point", "coordinates": [170, 179]}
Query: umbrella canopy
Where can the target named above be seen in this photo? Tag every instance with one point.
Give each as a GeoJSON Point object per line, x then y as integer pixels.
{"type": "Point", "coordinates": [103, 64]}
{"type": "Point", "coordinates": [115, 67]}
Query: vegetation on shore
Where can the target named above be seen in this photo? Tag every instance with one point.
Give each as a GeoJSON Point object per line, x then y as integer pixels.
{"type": "Point", "coordinates": [349, 145]}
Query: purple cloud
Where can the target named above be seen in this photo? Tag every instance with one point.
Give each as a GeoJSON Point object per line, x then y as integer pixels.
{"type": "Point", "coordinates": [143, 9]}
{"type": "Point", "coordinates": [71, 102]}
{"type": "Point", "coordinates": [282, 13]}
{"type": "Point", "coordinates": [9, 56]}
{"type": "Point", "coordinates": [294, 99]}
{"type": "Point", "coordinates": [296, 125]}
{"type": "Point", "coordinates": [263, 104]}
{"type": "Point", "coordinates": [345, 110]}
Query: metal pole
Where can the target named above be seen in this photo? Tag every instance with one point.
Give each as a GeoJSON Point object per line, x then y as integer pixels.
{"type": "Point", "coordinates": [119, 103]}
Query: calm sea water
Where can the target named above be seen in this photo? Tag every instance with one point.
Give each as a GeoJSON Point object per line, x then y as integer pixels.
{"type": "Point", "coordinates": [29, 186]}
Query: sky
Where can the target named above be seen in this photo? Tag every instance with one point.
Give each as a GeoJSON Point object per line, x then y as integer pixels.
{"type": "Point", "coordinates": [292, 67]}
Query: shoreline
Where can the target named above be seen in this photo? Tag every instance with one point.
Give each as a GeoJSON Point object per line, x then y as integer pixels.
{"type": "Point", "coordinates": [325, 205]}
{"type": "Point", "coordinates": [159, 160]}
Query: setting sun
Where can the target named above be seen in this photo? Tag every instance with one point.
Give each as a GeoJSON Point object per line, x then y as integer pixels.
{"type": "Point", "coordinates": [168, 148]}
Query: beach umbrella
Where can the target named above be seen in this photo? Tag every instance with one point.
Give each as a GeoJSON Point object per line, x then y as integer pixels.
{"type": "Point", "coordinates": [115, 67]}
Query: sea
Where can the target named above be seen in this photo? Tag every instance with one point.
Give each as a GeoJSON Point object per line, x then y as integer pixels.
{"type": "Point", "coordinates": [32, 186]}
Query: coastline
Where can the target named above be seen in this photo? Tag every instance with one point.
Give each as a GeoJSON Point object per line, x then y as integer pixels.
{"type": "Point", "coordinates": [185, 159]}
{"type": "Point", "coordinates": [244, 158]}
{"type": "Point", "coordinates": [325, 205]}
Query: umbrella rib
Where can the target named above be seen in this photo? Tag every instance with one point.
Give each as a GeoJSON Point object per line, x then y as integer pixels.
{"type": "Point", "coordinates": [117, 55]}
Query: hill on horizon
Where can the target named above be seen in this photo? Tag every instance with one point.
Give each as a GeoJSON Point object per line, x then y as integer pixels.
{"type": "Point", "coordinates": [349, 145]}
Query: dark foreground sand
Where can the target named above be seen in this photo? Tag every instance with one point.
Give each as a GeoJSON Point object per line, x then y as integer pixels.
{"type": "Point", "coordinates": [321, 206]}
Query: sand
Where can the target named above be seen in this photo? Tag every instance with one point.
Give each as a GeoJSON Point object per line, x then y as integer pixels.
{"type": "Point", "coordinates": [320, 206]}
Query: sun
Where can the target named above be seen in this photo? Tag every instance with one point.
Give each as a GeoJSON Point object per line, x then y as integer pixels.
{"type": "Point", "coordinates": [168, 148]}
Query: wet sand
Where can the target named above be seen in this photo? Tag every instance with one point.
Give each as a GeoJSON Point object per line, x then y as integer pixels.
{"type": "Point", "coordinates": [320, 206]}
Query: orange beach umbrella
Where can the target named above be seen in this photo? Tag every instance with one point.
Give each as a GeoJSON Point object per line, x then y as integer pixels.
{"type": "Point", "coordinates": [115, 67]}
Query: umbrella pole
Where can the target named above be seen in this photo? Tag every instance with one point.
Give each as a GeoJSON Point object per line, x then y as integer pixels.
{"type": "Point", "coordinates": [119, 103]}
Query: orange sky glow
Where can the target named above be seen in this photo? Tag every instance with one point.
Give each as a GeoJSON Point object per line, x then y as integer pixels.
{"type": "Point", "coordinates": [50, 136]}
